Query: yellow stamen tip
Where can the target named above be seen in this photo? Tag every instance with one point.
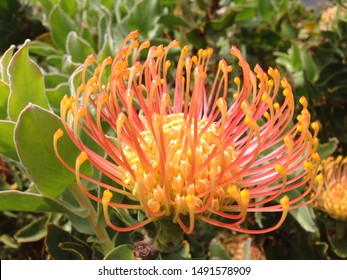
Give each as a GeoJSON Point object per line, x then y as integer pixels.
{"type": "Point", "coordinates": [237, 80]}
{"type": "Point", "coordinates": [316, 157]}
{"type": "Point", "coordinates": [134, 34]}
{"type": "Point", "coordinates": [265, 97]}
{"type": "Point", "coordinates": [175, 43]}
{"type": "Point", "coordinates": [58, 134]}
{"type": "Point", "coordinates": [106, 197]}
{"type": "Point", "coordinates": [190, 200]}
{"type": "Point", "coordinates": [315, 126]}
{"type": "Point", "coordinates": [222, 105]}
{"type": "Point", "coordinates": [154, 205]}
{"type": "Point", "coordinates": [266, 116]}
{"type": "Point", "coordinates": [319, 179]}
{"type": "Point", "coordinates": [285, 202]}
{"type": "Point", "coordinates": [232, 191]}
{"type": "Point", "coordinates": [284, 83]}
{"type": "Point", "coordinates": [167, 64]}
{"type": "Point", "coordinates": [303, 101]}
{"type": "Point", "coordinates": [286, 92]}
{"type": "Point", "coordinates": [248, 121]}
{"type": "Point", "coordinates": [81, 111]}
{"type": "Point", "coordinates": [245, 196]}
{"type": "Point", "coordinates": [277, 106]}
{"type": "Point", "coordinates": [300, 128]}
{"type": "Point", "coordinates": [184, 50]}
{"type": "Point", "coordinates": [90, 59]}
{"type": "Point", "coordinates": [82, 157]}
{"type": "Point", "coordinates": [288, 139]}
{"type": "Point", "coordinates": [280, 169]}
{"type": "Point", "coordinates": [308, 165]}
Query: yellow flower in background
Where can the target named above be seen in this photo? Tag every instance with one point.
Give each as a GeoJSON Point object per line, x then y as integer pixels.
{"type": "Point", "coordinates": [333, 198]}
{"type": "Point", "coordinates": [182, 148]}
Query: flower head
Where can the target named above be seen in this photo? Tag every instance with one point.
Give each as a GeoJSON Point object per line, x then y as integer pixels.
{"type": "Point", "coordinates": [333, 198]}
{"type": "Point", "coordinates": [186, 149]}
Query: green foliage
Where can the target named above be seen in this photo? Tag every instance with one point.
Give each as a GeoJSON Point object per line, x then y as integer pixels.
{"type": "Point", "coordinates": [7, 146]}
{"type": "Point", "coordinates": [122, 252]}
{"type": "Point", "coordinates": [63, 246]}
{"type": "Point", "coordinates": [37, 154]}
{"type": "Point", "coordinates": [217, 251]}
{"type": "Point", "coordinates": [29, 202]}
{"type": "Point", "coordinates": [27, 85]}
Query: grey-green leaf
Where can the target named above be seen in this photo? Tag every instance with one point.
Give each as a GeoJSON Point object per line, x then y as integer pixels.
{"type": "Point", "coordinates": [26, 83]}
{"type": "Point", "coordinates": [34, 139]}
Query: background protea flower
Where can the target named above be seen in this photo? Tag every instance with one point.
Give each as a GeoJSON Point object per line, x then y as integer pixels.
{"type": "Point", "coordinates": [185, 150]}
{"type": "Point", "coordinates": [333, 198]}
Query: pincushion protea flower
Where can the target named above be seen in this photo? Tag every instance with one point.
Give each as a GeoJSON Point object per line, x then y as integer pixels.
{"type": "Point", "coordinates": [333, 198]}
{"type": "Point", "coordinates": [187, 151]}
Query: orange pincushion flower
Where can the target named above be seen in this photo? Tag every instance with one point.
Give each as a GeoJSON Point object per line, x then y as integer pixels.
{"type": "Point", "coordinates": [185, 150]}
{"type": "Point", "coordinates": [333, 198]}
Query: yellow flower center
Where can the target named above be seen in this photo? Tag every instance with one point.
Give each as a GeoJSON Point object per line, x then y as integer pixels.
{"type": "Point", "coordinates": [334, 201]}
{"type": "Point", "coordinates": [188, 189]}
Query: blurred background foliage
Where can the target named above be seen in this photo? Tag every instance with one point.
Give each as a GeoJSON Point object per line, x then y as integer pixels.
{"type": "Point", "coordinates": [307, 45]}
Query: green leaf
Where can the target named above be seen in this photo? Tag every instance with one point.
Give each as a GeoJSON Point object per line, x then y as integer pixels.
{"type": "Point", "coordinates": [309, 66]}
{"type": "Point", "coordinates": [247, 14]}
{"type": "Point", "coordinates": [217, 251]}
{"type": "Point", "coordinates": [265, 9]}
{"type": "Point", "coordinates": [124, 216]}
{"type": "Point", "coordinates": [80, 251]}
{"type": "Point", "coordinates": [68, 65]}
{"type": "Point", "coordinates": [337, 236]}
{"type": "Point", "coordinates": [27, 85]}
{"type": "Point", "coordinates": [70, 7]}
{"type": "Point", "coordinates": [227, 20]}
{"type": "Point", "coordinates": [122, 252]}
{"type": "Point", "coordinates": [29, 202]}
{"type": "Point", "coordinates": [107, 49]}
{"type": "Point", "coordinates": [61, 25]}
{"type": "Point", "coordinates": [34, 138]}
{"type": "Point", "coordinates": [104, 27]}
{"type": "Point", "coordinates": [322, 250]}
{"type": "Point", "coordinates": [78, 48]}
{"type": "Point", "coordinates": [42, 49]}
{"type": "Point", "coordinates": [56, 87]}
{"type": "Point", "coordinates": [184, 250]}
{"type": "Point", "coordinates": [305, 217]}
{"type": "Point", "coordinates": [4, 94]}
{"type": "Point", "coordinates": [47, 5]}
{"type": "Point", "coordinates": [332, 73]}
{"type": "Point", "coordinates": [247, 249]}
{"type": "Point", "coordinates": [144, 15]}
{"type": "Point", "coordinates": [8, 241]}
{"type": "Point", "coordinates": [53, 80]}
{"type": "Point", "coordinates": [5, 60]}
{"type": "Point", "coordinates": [81, 224]}
{"type": "Point", "coordinates": [7, 146]}
{"type": "Point", "coordinates": [172, 20]}
{"type": "Point", "coordinates": [32, 232]}
{"type": "Point", "coordinates": [62, 246]}
{"type": "Point", "coordinates": [55, 95]}
{"type": "Point", "coordinates": [195, 37]}
{"type": "Point", "coordinates": [327, 149]}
